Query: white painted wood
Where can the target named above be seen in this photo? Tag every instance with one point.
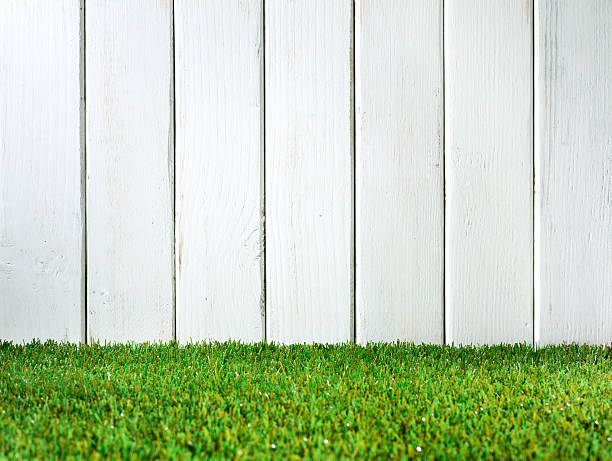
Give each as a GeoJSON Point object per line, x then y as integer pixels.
{"type": "Point", "coordinates": [129, 170]}
{"type": "Point", "coordinates": [574, 102]}
{"type": "Point", "coordinates": [218, 151]}
{"type": "Point", "coordinates": [308, 170]}
{"type": "Point", "coordinates": [489, 171]}
{"type": "Point", "coordinates": [41, 233]}
{"type": "Point", "coordinates": [399, 171]}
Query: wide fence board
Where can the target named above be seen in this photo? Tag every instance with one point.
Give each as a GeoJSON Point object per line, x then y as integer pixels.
{"type": "Point", "coordinates": [218, 167]}
{"type": "Point", "coordinates": [574, 104]}
{"type": "Point", "coordinates": [41, 234]}
{"type": "Point", "coordinates": [489, 171]}
{"type": "Point", "coordinates": [308, 161]}
{"type": "Point", "coordinates": [129, 170]}
{"type": "Point", "coordinates": [399, 171]}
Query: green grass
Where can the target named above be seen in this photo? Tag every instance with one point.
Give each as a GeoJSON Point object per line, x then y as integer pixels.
{"type": "Point", "coordinates": [264, 401]}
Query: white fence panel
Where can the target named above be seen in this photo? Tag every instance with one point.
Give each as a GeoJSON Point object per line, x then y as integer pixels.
{"type": "Point", "coordinates": [130, 166]}
{"type": "Point", "coordinates": [575, 171]}
{"type": "Point", "coordinates": [41, 235]}
{"type": "Point", "coordinates": [382, 151]}
{"type": "Point", "coordinates": [308, 160]}
{"type": "Point", "coordinates": [218, 156]}
{"type": "Point", "coordinates": [489, 171]}
{"type": "Point", "coordinates": [399, 171]}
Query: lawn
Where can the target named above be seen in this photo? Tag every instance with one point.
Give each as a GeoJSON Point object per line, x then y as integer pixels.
{"type": "Point", "coordinates": [290, 402]}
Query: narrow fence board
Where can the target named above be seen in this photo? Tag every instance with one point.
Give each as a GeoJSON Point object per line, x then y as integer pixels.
{"type": "Point", "coordinates": [489, 171]}
{"type": "Point", "coordinates": [575, 175]}
{"type": "Point", "coordinates": [218, 150]}
{"type": "Point", "coordinates": [41, 249]}
{"type": "Point", "coordinates": [308, 160]}
{"type": "Point", "coordinates": [399, 171]}
{"type": "Point", "coordinates": [129, 170]}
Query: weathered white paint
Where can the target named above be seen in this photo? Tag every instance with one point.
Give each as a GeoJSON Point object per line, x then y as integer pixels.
{"type": "Point", "coordinates": [399, 171]}
{"type": "Point", "coordinates": [308, 160]}
{"type": "Point", "coordinates": [489, 171]}
{"type": "Point", "coordinates": [574, 102]}
{"type": "Point", "coordinates": [308, 118]}
{"type": "Point", "coordinates": [129, 170]}
{"type": "Point", "coordinates": [41, 250]}
{"type": "Point", "coordinates": [536, 182]}
{"type": "Point", "coordinates": [218, 151]}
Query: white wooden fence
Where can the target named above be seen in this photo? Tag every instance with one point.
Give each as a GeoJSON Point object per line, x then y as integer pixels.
{"type": "Point", "coordinates": [306, 170]}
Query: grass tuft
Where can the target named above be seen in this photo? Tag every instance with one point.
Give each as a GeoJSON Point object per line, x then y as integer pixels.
{"type": "Point", "coordinates": [261, 401]}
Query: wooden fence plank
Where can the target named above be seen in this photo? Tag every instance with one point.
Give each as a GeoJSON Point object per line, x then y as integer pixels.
{"type": "Point", "coordinates": [41, 249]}
{"type": "Point", "coordinates": [489, 171]}
{"type": "Point", "coordinates": [218, 151]}
{"type": "Point", "coordinates": [129, 170]}
{"type": "Point", "coordinates": [574, 104]}
{"type": "Point", "coordinates": [308, 160]}
{"type": "Point", "coordinates": [399, 171]}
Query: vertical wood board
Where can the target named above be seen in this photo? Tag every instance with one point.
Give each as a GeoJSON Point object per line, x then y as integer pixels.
{"type": "Point", "coordinates": [575, 175]}
{"type": "Point", "coordinates": [41, 235]}
{"type": "Point", "coordinates": [489, 171]}
{"type": "Point", "coordinates": [308, 162]}
{"type": "Point", "coordinates": [218, 153]}
{"type": "Point", "coordinates": [399, 171]}
{"type": "Point", "coordinates": [129, 170]}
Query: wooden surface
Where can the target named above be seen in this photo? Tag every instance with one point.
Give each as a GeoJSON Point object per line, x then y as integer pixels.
{"type": "Point", "coordinates": [575, 171]}
{"type": "Point", "coordinates": [308, 162]}
{"type": "Point", "coordinates": [41, 235]}
{"type": "Point", "coordinates": [129, 170]}
{"type": "Point", "coordinates": [489, 171]}
{"type": "Point", "coordinates": [218, 155]}
{"type": "Point", "coordinates": [399, 171]}
{"type": "Point", "coordinates": [454, 185]}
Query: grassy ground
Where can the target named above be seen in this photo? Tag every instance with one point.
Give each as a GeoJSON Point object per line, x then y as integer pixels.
{"type": "Point", "coordinates": [264, 401]}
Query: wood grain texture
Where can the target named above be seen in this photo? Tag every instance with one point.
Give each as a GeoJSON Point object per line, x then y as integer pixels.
{"type": "Point", "coordinates": [218, 154]}
{"type": "Point", "coordinates": [129, 170]}
{"type": "Point", "coordinates": [399, 171]}
{"type": "Point", "coordinates": [574, 104]}
{"type": "Point", "coordinates": [308, 161]}
{"type": "Point", "coordinates": [41, 250]}
{"type": "Point", "coordinates": [489, 171]}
